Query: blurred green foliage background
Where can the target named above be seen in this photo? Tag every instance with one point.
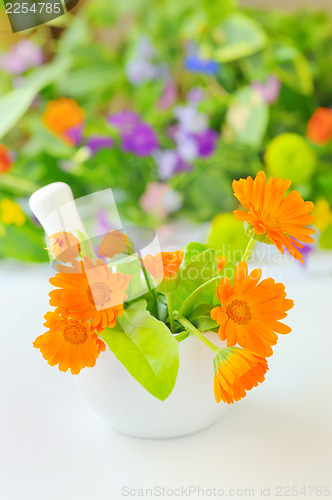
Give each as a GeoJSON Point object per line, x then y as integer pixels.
{"type": "Point", "coordinates": [222, 91]}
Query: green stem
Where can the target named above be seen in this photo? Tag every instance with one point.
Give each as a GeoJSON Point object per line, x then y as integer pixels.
{"type": "Point", "coordinates": [152, 291]}
{"type": "Point", "coordinates": [170, 311]}
{"type": "Point", "coordinates": [192, 329]}
{"type": "Point", "coordinates": [248, 250]}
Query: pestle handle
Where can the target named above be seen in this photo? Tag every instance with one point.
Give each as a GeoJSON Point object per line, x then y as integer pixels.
{"type": "Point", "coordinates": [55, 208]}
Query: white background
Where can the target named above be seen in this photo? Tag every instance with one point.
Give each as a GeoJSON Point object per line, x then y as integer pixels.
{"type": "Point", "coordinates": [53, 446]}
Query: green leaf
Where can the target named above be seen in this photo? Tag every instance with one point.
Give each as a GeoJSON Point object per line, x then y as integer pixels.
{"type": "Point", "coordinates": [15, 104]}
{"type": "Point", "coordinates": [83, 82]}
{"type": "Point", "coordinates": [241, 37]}
{"type": "Point", "coordinates": [202, 296]}
{"type": "Point", "coordinates": [146, 348]}
{"type": "Point", "coordinates": [23, 243]}
{"type": "Point", "coordinates": [198, 305]}
{"type": "Point", "coordinates": [201, 318]}
{"type": "Point", "coordinates": [85, 244]}
{"type": "Point", "coordinates": [201, 269]}
{"type": "Point", "coordinates": [192, 250]}
{"type": "Point", "coordinates": [247, 118]}
{"type": "Point", "coordinates": [217, 11]}
{"type": "Point", "coordinates": [131, 265]}
{"type": "Point", "coordinates": [293, 69]}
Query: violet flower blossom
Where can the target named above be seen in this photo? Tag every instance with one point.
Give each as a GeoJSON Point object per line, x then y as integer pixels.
{"type": "Point", "coordinates": [192, 136]}
{"type": "Point", "coordinates": [75, 134]}
{"type": "Point", "coordinates": [137, 137]}
{"type": "Point", "coordinates": [142, 140]}
{"type": "Point", "coordinates": [124, 121]}
{"type": "Point", "coordinates": [142, 68]}
{"type": "Point", "coordinates": [97, 142]}
{"type": "Point", "coordinates": [23, 56]}
{"type": "Point", "coordinates": [268, 91]}
{"type": "Point", "coordinates": [169, 96]}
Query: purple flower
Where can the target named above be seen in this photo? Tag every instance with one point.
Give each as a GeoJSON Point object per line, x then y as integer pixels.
{"type": "Point", "coordinates": [186, 146]}
{"type": "Point", "coordinates": [169, 95]}
{"type": "Point", "coordinates": [102, 224]}
{"type": "Point", "coordinates": [75, 134]}
{"type": "Point", "coordinates": [190, 119]}
{"type": "Point", "coordinates": [137, 136]}
{"type": "Point", "coordinates": [182, 166]}
{"type": "Point", "coordinates": [305, 252]}
{"type": "Point", "coordinates": [124, 121]}
{"type": "Point", "coordinates": [140, 71]}
{"type": "Point", "coordinates": [195, 95]}
{"type": "Point", "coordinates": [170, 162]}
{"type": "Point", "coordinates": [206, 142]}
{"type": "Point", "coordinates": [268, 91]}
{"type": "Point", "coordinates": [142, 67]}
{"type": "Point", "coordinates": [166, 161]}
{"type": "Point", "coordinates": [97, 142]}
{"type": "Point", "coordinates": [23, 56]}
{"type": "Point", "coordinates": [141, 140]}
{"type": "Point", "coordinates": [195, 64]}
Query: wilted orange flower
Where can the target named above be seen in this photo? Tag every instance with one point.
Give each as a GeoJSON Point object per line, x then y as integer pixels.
{"type": "Point", "coordinates": [280, 219]}
{"type": "Point", "coordinates": [250, 311]}
{"type": "Point", "coordinates": [62, 115]}
{"type": "Point", "coordinates": [88, 292]}
{"type": "Point", "coordinates": [69, 343]}
{"type": "Point", "coordinates": [319, 129]}
{"type": "Point", "coordinates": [64, 246]}
{"type": "Point", "coordinates": [6, 160]}
{"type": "Point", "coordinates": [115, 243]}
{"type": "Point", "coordinates": [163, 265]}
{"type": "Point", "coordinates": [237, 371]}
{"type": "Point", "coordinates": [221, 263]}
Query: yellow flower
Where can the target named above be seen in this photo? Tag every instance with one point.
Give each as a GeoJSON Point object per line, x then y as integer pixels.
{"type": "Point", "coordinates": [323, 214]}
{"type": "Point", "coordinates": [11, 213]}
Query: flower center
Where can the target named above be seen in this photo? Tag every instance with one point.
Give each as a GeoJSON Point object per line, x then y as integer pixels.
{"type": "Point", "coordinates": [238, 311]}
{"type": "Point", "coordinates": [268, 221]}
{"type": "Point", "coordinates": [99, 294]}
{"type": "Point", "coordinates": [75, 333]}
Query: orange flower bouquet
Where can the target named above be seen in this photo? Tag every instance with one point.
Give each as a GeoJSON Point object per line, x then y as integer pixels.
{"type": "Point", "coordinates": [144, 308]}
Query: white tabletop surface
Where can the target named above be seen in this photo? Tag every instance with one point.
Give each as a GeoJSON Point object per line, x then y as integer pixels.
{"type": "Point", "coordinates": [54, 447]}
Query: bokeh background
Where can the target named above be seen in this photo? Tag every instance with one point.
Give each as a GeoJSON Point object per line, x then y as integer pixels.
{"type": "Point", "coordinates": [166, 102]}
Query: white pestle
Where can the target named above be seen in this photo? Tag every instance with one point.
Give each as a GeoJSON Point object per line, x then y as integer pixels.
{"type": "Point", "coordinates": [55, 208]}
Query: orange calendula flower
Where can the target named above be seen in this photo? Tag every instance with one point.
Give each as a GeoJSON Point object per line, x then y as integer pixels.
{"type": "Point", "coordinates": [69, 343]}
{"type": "Point", "coordinates": [250, 311]}
{"type": "Point", "coordinates": [89, 292]}
{"type": "Point", "coordinates": [61, 116]}
{"type": "Point", "coordinates": [274, 217]}
{"type": "Point", "coordinates": [64, 246]}
{"type": "Point", "coordinates": [6, 160]}
{"type": "Point", "coordinates": [163, 265]}
{"type": "Point", "coordinates": [221, 263]}
{"type": "Point", "coordinates": [319, 129]}
{"type": "Point", "coordinates": [115, 243]}
{"type": "Point", "coordinates": [237, 371]}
